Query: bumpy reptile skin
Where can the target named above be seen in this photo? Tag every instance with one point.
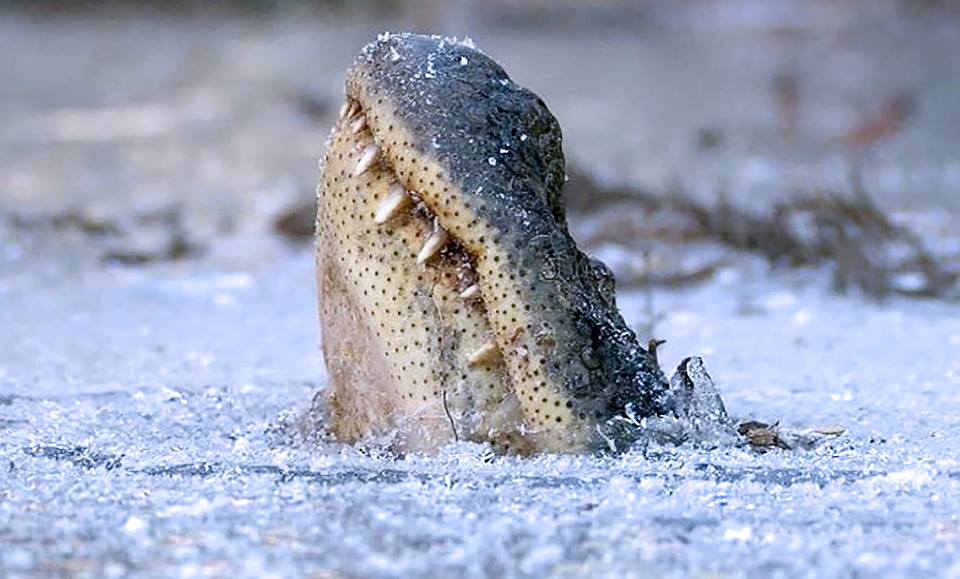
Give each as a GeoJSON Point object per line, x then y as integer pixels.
{"type": "Point", "coordinates": [453, 300]}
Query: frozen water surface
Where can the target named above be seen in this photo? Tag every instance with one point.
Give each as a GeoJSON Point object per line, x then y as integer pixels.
{"type": "Point", "coordinates": [147, 419]}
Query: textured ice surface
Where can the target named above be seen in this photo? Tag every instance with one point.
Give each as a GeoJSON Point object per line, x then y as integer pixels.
{"type": "Point", "coordinates": [145, 425]}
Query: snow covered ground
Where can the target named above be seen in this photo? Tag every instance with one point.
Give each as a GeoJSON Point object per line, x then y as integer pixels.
{"type": "Point", "coordinates": [148, 412]}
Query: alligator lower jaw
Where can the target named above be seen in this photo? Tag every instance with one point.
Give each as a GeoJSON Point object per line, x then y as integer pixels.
{"type": "Point", "coordinates": [426, 330]}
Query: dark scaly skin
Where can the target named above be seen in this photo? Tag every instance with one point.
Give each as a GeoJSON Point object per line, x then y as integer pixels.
{"type": "Point", "coordinates": [484, 156]}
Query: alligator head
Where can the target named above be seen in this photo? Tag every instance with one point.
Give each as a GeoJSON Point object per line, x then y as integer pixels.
{"type": "Point", "coordinates": [453, 300]}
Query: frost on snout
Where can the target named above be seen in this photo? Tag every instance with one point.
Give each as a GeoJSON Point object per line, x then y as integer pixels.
{"type": "Point", "coordinates": [454, 302]}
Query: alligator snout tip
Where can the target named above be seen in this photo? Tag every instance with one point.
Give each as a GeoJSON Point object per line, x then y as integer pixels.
{"type": "Point", "coordinates": [454, 302]}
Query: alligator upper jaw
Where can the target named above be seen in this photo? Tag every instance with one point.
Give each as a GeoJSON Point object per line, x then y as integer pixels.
{"type": "Point", "coordinates": [441, 193]}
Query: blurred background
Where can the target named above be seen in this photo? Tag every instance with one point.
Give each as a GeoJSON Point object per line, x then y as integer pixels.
{"type": "Point", "coordinates": [146, 131]}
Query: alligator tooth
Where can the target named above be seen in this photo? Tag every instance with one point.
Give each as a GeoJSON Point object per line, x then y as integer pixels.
{"type": "Point", "coordinates": [433, 244]}
{"type": "Point", "coordinates": [358, 125]}
{"type": "Point", "coordinates": [345, 108]}
{"type": "Point", "coordinates": [396, 200]}
{"type": "Point", "coordinates": [471, 292]}
{"type": "Point", "coordinates": [354, 109]}
{"type": "Point", "coordinates": [366, 160]}
{"type": "Point", "coordinates": [482, 354]}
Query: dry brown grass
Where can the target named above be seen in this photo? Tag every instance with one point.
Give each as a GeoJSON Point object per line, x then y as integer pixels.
{"type": "Point", "coordinates": [862, 245]}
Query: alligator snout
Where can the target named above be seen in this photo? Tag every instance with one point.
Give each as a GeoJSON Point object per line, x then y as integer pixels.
{"type": "Point", "coordinates": [453, 301]}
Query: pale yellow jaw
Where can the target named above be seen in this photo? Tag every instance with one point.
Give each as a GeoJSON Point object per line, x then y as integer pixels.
{"type": "Point", "coordinates": [454, 301]}
{"type": "Point", "coordinates": [407, 342]}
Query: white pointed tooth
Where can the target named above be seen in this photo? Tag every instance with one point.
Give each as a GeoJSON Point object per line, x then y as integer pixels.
{"type": "Point", "coordinates": [433, 245]}
{"type": "Point", "coordinates": [345, 108]}
{"type": "Point", "coordinates": [482, 354]}
{"type": "Point", "coordinates": [396, 200]}
{"type": "Point", "coordinates": [354, 108]}
{"type": "Point", "coordinates": [367, 158]}
{"type": "Point", "coordinates": [471, 292]}
{"type": "Point", "coordinates": [358, 124]}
